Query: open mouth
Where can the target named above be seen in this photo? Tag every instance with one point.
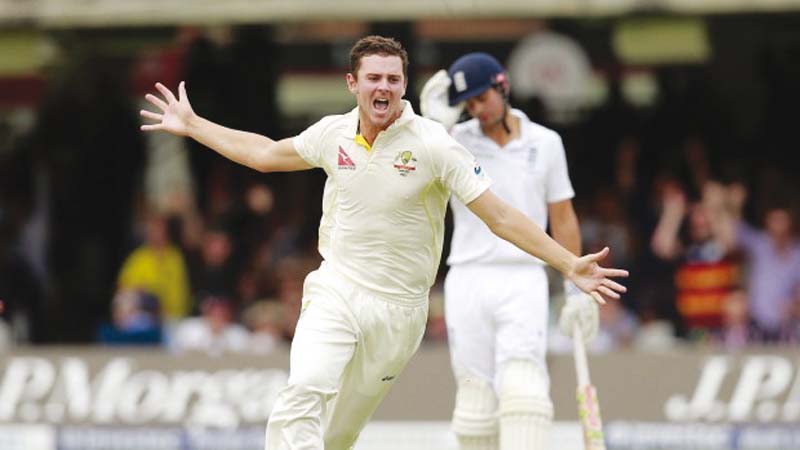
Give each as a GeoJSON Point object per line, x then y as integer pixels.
{"type": "Point", "coordinates": [380, 104]}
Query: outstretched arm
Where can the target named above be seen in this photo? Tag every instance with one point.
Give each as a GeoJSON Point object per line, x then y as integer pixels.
{"type": "Point", "coordinates": [510, 224]}
{"type": "Point", "coordinates": [249, 149]}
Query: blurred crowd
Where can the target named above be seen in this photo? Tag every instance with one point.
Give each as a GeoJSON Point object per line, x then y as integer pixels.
{"type": "Point", "coordinates": [113, 237]}
{"type": "Point", "coordinates": [714, 256]}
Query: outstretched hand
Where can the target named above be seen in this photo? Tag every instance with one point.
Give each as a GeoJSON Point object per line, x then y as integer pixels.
{"type": "Point", "coordinates": [595, 280]}
{"type": "Point", "coordinates": [176, 113]}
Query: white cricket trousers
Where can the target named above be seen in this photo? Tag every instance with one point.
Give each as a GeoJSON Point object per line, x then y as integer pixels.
{"type": "Point", "coordinates": [495, 314]}
{"type": "Point", "coordinates": [349, 347]}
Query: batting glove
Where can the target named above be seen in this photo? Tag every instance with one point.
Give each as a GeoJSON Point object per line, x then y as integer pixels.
{"type": "Point", "coordinates": [433, 101]}
{"type": "Point", "coordinates": [579, 308]}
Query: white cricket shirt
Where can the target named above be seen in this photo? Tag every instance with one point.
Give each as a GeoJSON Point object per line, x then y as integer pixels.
{"type": "Point", "coordinates": [383, 209]}
{"type": "Point", "coordinates": [528, 172]}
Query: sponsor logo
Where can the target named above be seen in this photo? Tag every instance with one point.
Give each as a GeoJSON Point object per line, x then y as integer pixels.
{"type": "Point", "coordinates": [304, 306]}
{"type": "Point", "coordinates": [766, 388]}
{"type": "Point", "coordinates": [477, 169]}
{"type": "Point", "coordinates": [405, 163]}
{"type": "Point", "coordinates": [460, 81]}
{"type": "Point", "coordinates": [388, 378]}
{"type": "Point", "coordinates": [35, 390]}
{"type": "Point", "coordinates": [345, 162]}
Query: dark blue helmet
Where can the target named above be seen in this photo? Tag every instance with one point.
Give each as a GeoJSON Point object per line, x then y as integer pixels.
{"type": "Point", "coordinates": [474, 73]}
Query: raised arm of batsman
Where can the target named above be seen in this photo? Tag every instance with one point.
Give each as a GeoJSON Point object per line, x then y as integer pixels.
{"type": "Point", "coordinates": [434, 102]}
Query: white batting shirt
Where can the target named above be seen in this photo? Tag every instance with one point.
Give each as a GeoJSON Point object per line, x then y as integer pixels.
{"type": "Point", "coordinates": [529, 172]}
{"type": "Point", "coordinates": [383, 208]}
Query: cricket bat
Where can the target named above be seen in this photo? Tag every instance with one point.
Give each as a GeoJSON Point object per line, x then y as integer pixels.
{"type": "Point", "coordinates": [588, 407]}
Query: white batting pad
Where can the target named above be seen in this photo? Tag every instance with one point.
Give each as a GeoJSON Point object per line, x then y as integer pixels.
{"type": "Point", "coordinates": [526, 412]}
{"type": "Point", "coordinates": [475, 415]}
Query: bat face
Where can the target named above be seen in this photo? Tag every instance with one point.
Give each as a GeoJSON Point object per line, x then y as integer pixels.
{"type": "Point", "coordinates": [588, 407]}
{"type": "Point", "coordinates": [589, 413]}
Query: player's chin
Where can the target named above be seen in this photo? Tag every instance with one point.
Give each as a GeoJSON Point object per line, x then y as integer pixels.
{"type": "Point", "coordinates": [381, 117]}
{"type": "Point", "coordinates": [488, 121]}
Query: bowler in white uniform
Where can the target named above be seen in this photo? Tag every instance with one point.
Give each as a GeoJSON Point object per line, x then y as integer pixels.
{"type": "Point", "coordinates": [390, 174]}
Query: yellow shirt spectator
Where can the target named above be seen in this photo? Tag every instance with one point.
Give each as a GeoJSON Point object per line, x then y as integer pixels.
{"type": "Point", "coordinates": [161, 272]}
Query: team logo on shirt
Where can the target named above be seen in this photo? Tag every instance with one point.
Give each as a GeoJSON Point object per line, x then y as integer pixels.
{"type": "Point", "coordinates": [532, 156]}
{"type": "Point", "coordinates": [477, 168]}
{"type": "Point", "coordinates": [345, 163]}
{"type": "Point", "coordinates": [405, 163]}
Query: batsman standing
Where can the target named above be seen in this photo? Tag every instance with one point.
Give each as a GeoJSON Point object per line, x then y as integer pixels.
{"type": "Point", "coordinates": [496, 295]}
{"type": "Point", "coordinates": [390, 173]}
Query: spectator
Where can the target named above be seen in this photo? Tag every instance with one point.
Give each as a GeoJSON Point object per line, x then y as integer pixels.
{"type": "Point", "coordinates": [254, 223]}
{"type": "Point", "coordinates": [158, 267]}
{"type": "Point", "coordinates": [736, 331]}
{"type": "Point", "coordinates": [5, 331]}
{"type": "Point", "coordinates": [605, 224]}
{"type": "Point", "coordinates": [290, 273]}
{"type": "Point", "coordinates": [21, 293]}
{"type": "Point", "coordinates": [618, 328]}
{"type": "Point", "coordinates": [793, 332]}
{"type": "Point", "coordinates": [264, 319]}
{"type": "Point", "coordinates": [254, 283]}
{"type": "Point", "coordinates": [213, 333]}
{"type": "Point", "coordinates": [705, 275]}
{"type": "Point", "coordinates": [134, 320]}
{"type": "Point", "coordinates": [773, 260]}
{"type": "Point", "coordinates": [213, 270]}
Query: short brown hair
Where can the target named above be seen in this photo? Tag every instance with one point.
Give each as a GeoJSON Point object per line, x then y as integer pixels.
{"type": "Point", "coordinates": [376, 45]}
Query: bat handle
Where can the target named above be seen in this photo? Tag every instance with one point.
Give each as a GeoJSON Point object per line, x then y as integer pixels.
{"type": "Point", "coordinates": [581, 364]}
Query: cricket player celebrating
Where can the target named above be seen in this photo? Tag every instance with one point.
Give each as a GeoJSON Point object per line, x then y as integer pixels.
{"type": "Point", "coordinates": [496, 295]}
{"type": "Point", "coordinates": [390, 173]}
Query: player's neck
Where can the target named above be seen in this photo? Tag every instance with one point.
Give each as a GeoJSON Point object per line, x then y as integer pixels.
{"type": "Point", "coordinates": [498, 133]}
{"type": "Point", "coordinates": [369, 130]}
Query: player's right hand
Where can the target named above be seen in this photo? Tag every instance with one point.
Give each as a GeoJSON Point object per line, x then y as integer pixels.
{"type": "Point", "coordinates": [433, 101]}
{"type": "Point", "coordinates": [176, 113]}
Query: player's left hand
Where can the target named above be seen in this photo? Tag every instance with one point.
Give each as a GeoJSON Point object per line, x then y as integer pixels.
{"type": "Point", "coordinates": [579, 308]}
{"type": "Point", "coordinates": [595, 280]}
